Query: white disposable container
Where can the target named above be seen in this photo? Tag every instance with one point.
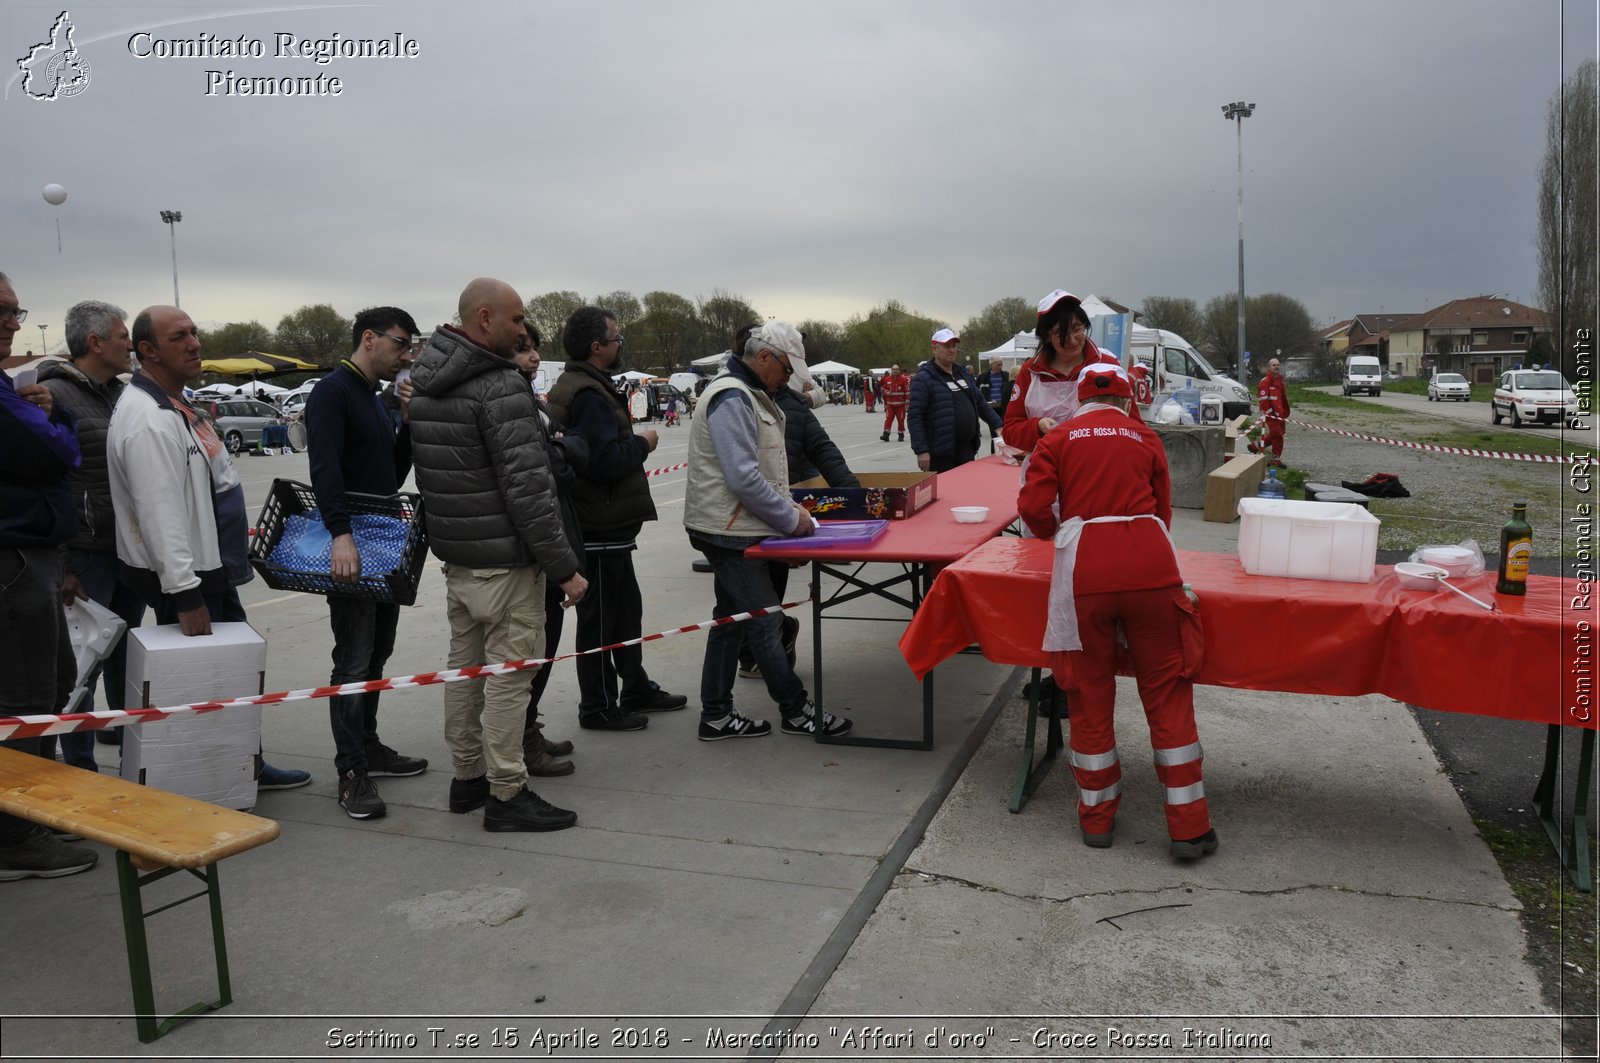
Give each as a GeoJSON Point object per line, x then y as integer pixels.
{"type": "Point", "coordinates": [1307, 540]}
{"type": "Point", "coordinates": [1210, 408]}
{"type": "Point", "coordinates": [210, 756]}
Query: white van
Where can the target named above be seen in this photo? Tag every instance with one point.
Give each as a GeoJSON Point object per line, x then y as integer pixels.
{"type": "Point", "coordinates": [1172, 360]}
{"type": "Point", "coordinates": [1363, 373]}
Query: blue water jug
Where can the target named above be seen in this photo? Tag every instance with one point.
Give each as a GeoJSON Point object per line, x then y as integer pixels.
{"type": "Point", "coordinates": [1272, 487]}
{"type": "Point", "coordinates": [1188, 398]}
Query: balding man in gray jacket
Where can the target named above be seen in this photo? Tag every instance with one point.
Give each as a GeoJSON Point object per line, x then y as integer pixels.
{"type": "Point", "coordinates": [494, 521]}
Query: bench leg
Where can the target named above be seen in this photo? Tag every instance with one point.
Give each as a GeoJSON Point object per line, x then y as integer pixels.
{"type": "Point", "coordinates": [129, 885]}
{"type": "Point", "coordinates": [1029, 775]}
{"type": "Point", "coordinates": [1574, 859]}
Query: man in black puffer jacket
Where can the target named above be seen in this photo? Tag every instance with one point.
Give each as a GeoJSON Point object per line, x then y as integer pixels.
{"type": "Point", "coordinates": [494, 522]}
{"type": "Point", "coordinates": [88, 386]}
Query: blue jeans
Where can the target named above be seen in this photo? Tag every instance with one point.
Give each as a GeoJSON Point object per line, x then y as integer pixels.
{"type": "Point", "coordinates": [98, 575]}
{"type": "Point", "coordinates": [363, 639]}
{"type": "Point", "coordinates": [744, 584]}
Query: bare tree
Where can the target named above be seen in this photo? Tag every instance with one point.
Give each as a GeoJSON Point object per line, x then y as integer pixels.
{"type": "Point", "coordinates": [1175, 314]}
{"type": "Point", "coordinates": [1567, 211]}
{"type": "Point", "coordinates": [997, 323]}
{"type": "Point", "coordinates": [548, 313]}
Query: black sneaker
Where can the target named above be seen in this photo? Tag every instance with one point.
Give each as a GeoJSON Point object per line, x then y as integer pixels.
{"type": "Point", "coordinates": [42, 855]}
{"type": "Point", "coordinates": [526, 812]}
{"type": "Point", "coordinates": [562, 748]}
{"type": "Point", "coordinates": [381, 760]}
{"type": "Point", "coordinates": [359, 797]}
{"type": "Point", "coordinates": [884, 437]}
{"type": "Point", "coordinates": [1194, 848]}
{"type": "Point", "coordinates": [616, 720]}
{"type": "Point", "coordinates": [658, 701]}
{"type": "Point", "coordinates": [805, 723]}
{"type": "Point", "coordinates": [902, 438]}
{"type": "Point", "coordinates": [733, 725]}
{"type": "Point", "coordinates": [468, 794]}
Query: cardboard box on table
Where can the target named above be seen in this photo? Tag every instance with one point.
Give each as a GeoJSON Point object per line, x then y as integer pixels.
{"type": "Point", "coordinates": [210, 756]}
{"type": "Point", "coordinates": [881, 496]}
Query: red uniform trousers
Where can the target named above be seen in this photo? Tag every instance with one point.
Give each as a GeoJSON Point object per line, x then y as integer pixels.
{"type": "Point", "coordinates": [872, 400]}
{"type": "Point", "coordinates": [1273, 427]}
{"type": "Point", "coordinates": [893, 411]}
{"type": "Point", "coordinates": [1088, 676]}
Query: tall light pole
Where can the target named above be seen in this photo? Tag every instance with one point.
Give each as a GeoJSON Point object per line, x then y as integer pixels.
{"type": "Point", "coordinates": [1236, 113]}
{"type": "Point", "coordinates": [43, 349]}
{"type": "Point", "coordinates": [173, 216]}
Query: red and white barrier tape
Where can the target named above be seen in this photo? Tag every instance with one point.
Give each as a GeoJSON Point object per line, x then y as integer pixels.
{"type": "Point", "coordinates": [37, 726]}
{"type": "Point", "coordinates": [1433, 448]}
{"type": "Point", "coordinates": [667, 469]}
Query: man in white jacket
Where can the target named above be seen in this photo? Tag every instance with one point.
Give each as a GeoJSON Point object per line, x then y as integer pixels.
{"type": "Point", "coordinates": [182, 531]}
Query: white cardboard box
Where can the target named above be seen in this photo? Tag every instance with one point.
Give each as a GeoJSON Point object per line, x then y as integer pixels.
{"type": "Point", "coordinates": [1307, 540]}
{"type": "Point", "coordinates": [210, 756]}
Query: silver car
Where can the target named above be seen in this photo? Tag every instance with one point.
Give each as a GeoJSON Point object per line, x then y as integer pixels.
{"type": "Point", "coordinates": [239, 421]}
{"type": "Point", "coordinates": [1449, 386]}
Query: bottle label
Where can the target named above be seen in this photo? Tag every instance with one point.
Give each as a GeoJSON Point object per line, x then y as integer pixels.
{"type": "Point", "coordinates": [1518, 553]}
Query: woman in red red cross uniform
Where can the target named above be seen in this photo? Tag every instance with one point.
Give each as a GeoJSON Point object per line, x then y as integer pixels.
{"type": "Point", "coordinates": [1115, 568]}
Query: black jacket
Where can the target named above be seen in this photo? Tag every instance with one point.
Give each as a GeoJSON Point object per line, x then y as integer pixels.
{"type": "Point", "coordinates": [481, 463]}
{"type": "Point", "coordinates": [613, 492]}
{"type": "Point", "coordinates": [942, 405]}
{"type": "Point", "coordinates": [91, 403]}
{"type": "Point", "coordinates": [811, 450]}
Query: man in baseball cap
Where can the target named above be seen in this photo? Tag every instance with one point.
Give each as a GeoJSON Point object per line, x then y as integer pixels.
{"type": "Point", "coordinates": [946, 408]}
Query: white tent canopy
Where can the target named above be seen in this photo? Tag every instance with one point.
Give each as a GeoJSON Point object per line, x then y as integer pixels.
{"type": "Point", "coordinates": [634, 374]}
{"type": "Point", "coordinates": [830, 368]}
{"type": "Point", "coordinates": [711, 360]}
{"type": "Point", "coordinates": [1013, 352]}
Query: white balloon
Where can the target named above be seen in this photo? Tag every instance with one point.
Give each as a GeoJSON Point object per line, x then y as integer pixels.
{"type": "Point", "coordinates": [55, 195]}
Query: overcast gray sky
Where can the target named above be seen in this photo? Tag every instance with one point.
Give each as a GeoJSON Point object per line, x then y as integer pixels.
{"type": "Point", "coordinates": [816, 158]}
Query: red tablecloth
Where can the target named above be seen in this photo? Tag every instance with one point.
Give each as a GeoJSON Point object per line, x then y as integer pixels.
{"type": "Point", "coordinates": [931, 535]}
{"type": "Point", "coordinates": [1428, 648]}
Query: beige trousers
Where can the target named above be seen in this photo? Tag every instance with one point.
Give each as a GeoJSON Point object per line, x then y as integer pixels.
{"type": "Point", "coordinates": [496, 614]}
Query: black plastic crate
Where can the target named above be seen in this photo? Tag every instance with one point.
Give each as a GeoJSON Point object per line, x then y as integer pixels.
{"type": "Point", "coordinates": [289, 498]}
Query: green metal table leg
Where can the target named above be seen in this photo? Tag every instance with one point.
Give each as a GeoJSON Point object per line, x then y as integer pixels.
{"type": "Point", "coordinates": [1029, 775]}
{"type": "Point", "coordinates": [129, 886]}
{"type": "Point", "coordinates": [1574, 858]}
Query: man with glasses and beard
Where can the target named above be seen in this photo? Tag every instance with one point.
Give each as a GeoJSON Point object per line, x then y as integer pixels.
{"type": "Point", "coordinates": [613, 497]}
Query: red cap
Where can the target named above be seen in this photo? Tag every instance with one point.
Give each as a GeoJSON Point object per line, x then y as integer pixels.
{"type": "Point", "coordinates": [1103, 380]}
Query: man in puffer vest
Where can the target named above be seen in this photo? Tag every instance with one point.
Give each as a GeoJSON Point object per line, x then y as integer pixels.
{"type": "Point", "coordinates": [88, 385]}
{"type": "Point", "coordinates": [613, 497]}
{"type": "Point", "coordinates": [738, 495]}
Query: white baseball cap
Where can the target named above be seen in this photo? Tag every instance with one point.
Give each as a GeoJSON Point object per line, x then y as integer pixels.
{"type": "Point", "coordinates": [783, 338]}
{"type": "Point", "coordinates": [944, 335]}
{"type": "Point", "coordinates": [1048, 302]}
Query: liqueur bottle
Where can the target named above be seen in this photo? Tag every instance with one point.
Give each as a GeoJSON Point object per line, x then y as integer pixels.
{"type": "Point", "coordinates": [1516, 548]}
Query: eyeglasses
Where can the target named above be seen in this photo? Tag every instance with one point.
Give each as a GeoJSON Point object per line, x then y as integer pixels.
{"type": "Point", "coordinates": [13, 313]}
{"type": "Point", "coordinates": [784, 363]}
{"type": "Point", "coordinates": [1077, 328]}
{"type": "Point", "coordinates": [617, 339]}
{"type": "Point", "coordinates": [403, 342]}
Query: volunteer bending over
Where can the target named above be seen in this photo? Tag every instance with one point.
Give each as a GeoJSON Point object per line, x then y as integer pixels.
{"type": "Point", "coordinates": [1114, 566]}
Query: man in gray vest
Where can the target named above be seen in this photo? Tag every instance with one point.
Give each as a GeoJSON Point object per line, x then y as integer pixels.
{"type": "Point", "coordinates": [89, 384]}
{"type": "Point", "coordinates": [738, 495]}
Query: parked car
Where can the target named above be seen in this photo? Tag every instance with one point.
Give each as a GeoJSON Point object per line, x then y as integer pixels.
{"type": "Point", "coordinates": [1449, 386]}
{"type": "Point", "coordinates": [1363, 372]}
{"type": "Point", "coordinates": [239, 421]}
{"type": "Point", "coordinates": [1538, 395]}
{"type": "Point", "coordinates": [294, 404]}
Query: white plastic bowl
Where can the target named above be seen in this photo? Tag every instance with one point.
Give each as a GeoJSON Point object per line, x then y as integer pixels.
{"type": "Point", "coordinates": [1418, 576]}
{"type": "Point", "coordinates": [969, 514]}
{"type": "Point", "coordinates": [1456, 560]}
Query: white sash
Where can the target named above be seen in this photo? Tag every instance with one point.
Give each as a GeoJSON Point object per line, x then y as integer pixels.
{"type": "Point", "coordinates": [1061, 631]}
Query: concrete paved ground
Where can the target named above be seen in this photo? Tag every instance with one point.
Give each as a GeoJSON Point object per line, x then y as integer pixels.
{"type": "Point", "coordinates": [709, 887]}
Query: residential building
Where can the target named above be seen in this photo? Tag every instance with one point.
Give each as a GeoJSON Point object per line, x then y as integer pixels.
{"type": "Point", "coordinates": [1479, 337]}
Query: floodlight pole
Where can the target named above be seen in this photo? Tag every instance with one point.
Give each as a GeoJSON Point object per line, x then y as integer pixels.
{"type": "Point", "coordinates": [1237, 112]}
{"type": "Point", "coordinates": [172, 218]}
{"type": "Point", "coordinates": [43, 345]}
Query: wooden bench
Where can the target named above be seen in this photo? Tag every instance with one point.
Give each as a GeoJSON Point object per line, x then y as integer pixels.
{"type": "Point", "coordinates": [153, 831]}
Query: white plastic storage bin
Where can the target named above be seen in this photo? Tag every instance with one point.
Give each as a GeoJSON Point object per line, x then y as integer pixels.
{"type": "Point", "coordinates": [1307, 540]}
{"type": "Point", "coordinates": [210, 756]}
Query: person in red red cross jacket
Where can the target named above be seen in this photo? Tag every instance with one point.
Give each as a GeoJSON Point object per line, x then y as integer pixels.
{"type": "Point", "coordinates": [896, 394]}
{"type": "Point", "coordinates": [1273, 395]}
{"type": "Point", "coordinates": [1106, 476]}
